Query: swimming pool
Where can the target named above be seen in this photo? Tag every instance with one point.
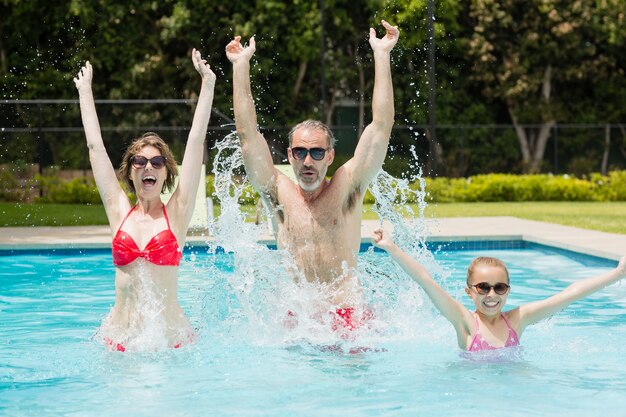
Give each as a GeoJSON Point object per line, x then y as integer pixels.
{"type": "Point", "coordinates": [246, 363]}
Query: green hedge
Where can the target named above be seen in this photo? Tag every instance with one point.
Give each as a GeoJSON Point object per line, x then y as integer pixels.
{"type": "Point", "coordinates": [13, 189]}
{"type": "Point", "coordinates": [541, 187]}
{"type": "Point", "coordinates": [76, 191]}
{"type": "Point", "coordinates": [479, 188]}
{"type": "Point", "coordinates": [248, 196]}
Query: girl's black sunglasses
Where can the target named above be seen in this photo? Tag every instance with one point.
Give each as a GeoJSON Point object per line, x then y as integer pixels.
{"type": "Point", "coordinates": [483, 288]}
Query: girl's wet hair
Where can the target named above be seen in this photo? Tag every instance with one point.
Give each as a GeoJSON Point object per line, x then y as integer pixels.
{"type": "Point", "coordinates": [486, 260]}
{"type": "Point", "coordinates": [148, 139]}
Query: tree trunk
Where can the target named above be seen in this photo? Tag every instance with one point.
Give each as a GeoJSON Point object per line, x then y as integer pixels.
{"type": "Point", "coordinates": [540, 146]}
{"type": "Point", "coordinates": [301, 73]}
{"type": "Point", "coordinates": [438, 151]}
{"type": "Point", "coordinates": [3, 58]}
{"type": "Point", "coordinates": [522, 138]}
{"type": "Point", "coordinates": [533, 148]}
{"type": "Point", "coordinates": [330, 108]}
{"type": "Point", "coordinates": [604, 169]}
{"type": "Point", "coordinates": [621, 148]}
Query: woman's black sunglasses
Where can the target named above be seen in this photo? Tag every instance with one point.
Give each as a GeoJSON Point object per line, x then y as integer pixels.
{"type": "Point", "coordinates": [483, 288]}
{"type": "Point", "coordinates": [316, 153]}
{"type": "Point", "coordinates": [139, 161]}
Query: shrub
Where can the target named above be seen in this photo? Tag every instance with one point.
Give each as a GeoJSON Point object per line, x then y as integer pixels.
{"type": "Point", "coordinates": [543, 187]}
{"type": "Point", "coordinates": [248, 194]}
{"type": "Point", "coordinates": [617, 184]}
{"type": "Point", "coordinates": [210, 185]}
{"type": "Point", "coordinates": [13, 189]}
{"type": "Point", "coordinates": [565, 188]}
{"type": "Point", "coordinates": [76, 191]}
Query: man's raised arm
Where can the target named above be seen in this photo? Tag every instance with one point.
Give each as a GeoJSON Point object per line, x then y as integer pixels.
{"type": "Point", "coordinates": [256, 154]}
{"type": "Point", "coordinates": [372, 147]}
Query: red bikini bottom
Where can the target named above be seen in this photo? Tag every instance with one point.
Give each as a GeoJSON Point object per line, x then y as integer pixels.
{"type": "Point", "coordinates": [119, 347]}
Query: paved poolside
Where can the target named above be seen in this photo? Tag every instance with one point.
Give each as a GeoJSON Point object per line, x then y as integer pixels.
{"type": "Point", "coordinates": [605, 245]}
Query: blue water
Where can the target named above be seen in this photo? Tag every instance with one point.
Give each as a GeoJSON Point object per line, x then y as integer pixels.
{"type": "Point", "coordinates": [246, 364]}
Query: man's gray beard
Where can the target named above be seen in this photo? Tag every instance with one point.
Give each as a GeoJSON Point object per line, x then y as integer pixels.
{"type": "Point", "coordinates": [310, 187]}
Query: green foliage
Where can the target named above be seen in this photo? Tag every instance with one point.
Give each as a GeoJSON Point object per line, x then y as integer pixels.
{"type": "Point", "coordinates": [210, 185]}
{"type": "Point", "coordinates": [78, 190]}
{"type": "Point", "coordinates": [611, 187]}
{"type": "Point", "coordinates": [491, 58]}
{"type": "Point", "coordinates": [17, 182]}
{"type": "Point", "coordinates": [506, 187]}
{"type": "Point", "coordinates": [248, 194]}
{"type": "Point", "coordinates": [13, 189]}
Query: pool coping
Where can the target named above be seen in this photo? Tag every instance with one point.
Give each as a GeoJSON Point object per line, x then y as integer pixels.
{"type": "Point", "coordinates": [457, 229]}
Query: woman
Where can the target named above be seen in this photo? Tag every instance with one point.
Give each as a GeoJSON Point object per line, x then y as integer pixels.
{"type": "Point", "coordinates": [148, 237]}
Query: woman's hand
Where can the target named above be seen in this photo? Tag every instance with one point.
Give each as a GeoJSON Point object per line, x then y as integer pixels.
{"type": "Point", "coordinates": [203, 68]}
{"type": "Point", "coordinates": [84, 77]}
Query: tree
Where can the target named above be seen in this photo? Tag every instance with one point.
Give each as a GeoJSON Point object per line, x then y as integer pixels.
{"type": "Point", "coordinates": [528, 53]}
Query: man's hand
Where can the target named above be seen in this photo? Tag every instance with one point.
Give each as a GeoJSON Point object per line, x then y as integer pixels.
{"type": "Point", "coordinates": [202, 67]}
{"type": "Point", "coordinates": [236, 52]}
{"type": "Point", "coordinates": [84, 77]}
{"type": "Point", "coordinates": [387, 42]}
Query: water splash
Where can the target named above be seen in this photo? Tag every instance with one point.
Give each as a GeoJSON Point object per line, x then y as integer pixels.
{"type": "Point", "coordinates": [267, 306]}
{"type": "Point", "coordinates": [146, 328]}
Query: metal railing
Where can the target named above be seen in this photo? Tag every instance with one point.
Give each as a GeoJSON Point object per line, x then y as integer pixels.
{"type": "Point", "coordinates": [49, 132]}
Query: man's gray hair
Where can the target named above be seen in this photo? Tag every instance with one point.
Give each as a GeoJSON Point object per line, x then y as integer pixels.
{"type": "Point", "coordinates": [314, 124]}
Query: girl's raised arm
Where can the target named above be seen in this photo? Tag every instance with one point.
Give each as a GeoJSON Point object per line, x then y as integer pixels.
{"type": "Point", "coordinates": [533, 312]}
{"type": "Point", "coordinates": [456, 313]}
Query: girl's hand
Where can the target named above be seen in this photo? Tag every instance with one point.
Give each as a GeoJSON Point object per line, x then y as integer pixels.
{"type": "Point", "coordinates": [382, 239]}
{"type": "Point", "coordinates": [621, 266]}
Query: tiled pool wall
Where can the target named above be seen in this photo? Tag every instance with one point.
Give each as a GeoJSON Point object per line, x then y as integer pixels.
{"type": "Point", "coordinates": [433, 246]}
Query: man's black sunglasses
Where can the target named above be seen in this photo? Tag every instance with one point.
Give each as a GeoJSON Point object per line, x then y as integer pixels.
{"type": "Point", "coordinates": [139, 161]}
{"type": "Point", "coordinates": [301, 153]}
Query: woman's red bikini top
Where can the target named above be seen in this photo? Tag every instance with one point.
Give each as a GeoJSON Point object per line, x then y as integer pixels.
{"type": "Point", "coordinates": [161, 250]}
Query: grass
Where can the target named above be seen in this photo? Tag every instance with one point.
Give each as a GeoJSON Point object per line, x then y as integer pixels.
{"type": "Point", "coordinates": [605, 216]}
{"type": "Point", "coordinates": [16, 214]}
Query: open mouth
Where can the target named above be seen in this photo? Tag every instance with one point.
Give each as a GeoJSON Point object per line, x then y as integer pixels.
{"type": "Point", "coordinates": [308, 175]}
{"type": "Point", "coordinates": [149, 180]}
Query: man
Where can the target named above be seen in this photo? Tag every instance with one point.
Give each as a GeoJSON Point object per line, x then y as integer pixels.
{"type": "Point", "coordinates": [318, 220]}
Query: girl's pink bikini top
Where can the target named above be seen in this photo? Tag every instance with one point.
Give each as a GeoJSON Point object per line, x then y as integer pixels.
{"type": "Point", "coordinates": [478, 343]}
{"type": "Point", "coordinates": [162, 249]}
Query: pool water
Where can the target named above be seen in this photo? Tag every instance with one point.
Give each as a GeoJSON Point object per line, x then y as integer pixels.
{"type": "Point", "coordinates": [246, 363]}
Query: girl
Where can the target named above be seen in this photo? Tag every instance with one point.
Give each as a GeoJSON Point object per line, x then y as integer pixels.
{"type": "Point", "coordinates": [489, 328]}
